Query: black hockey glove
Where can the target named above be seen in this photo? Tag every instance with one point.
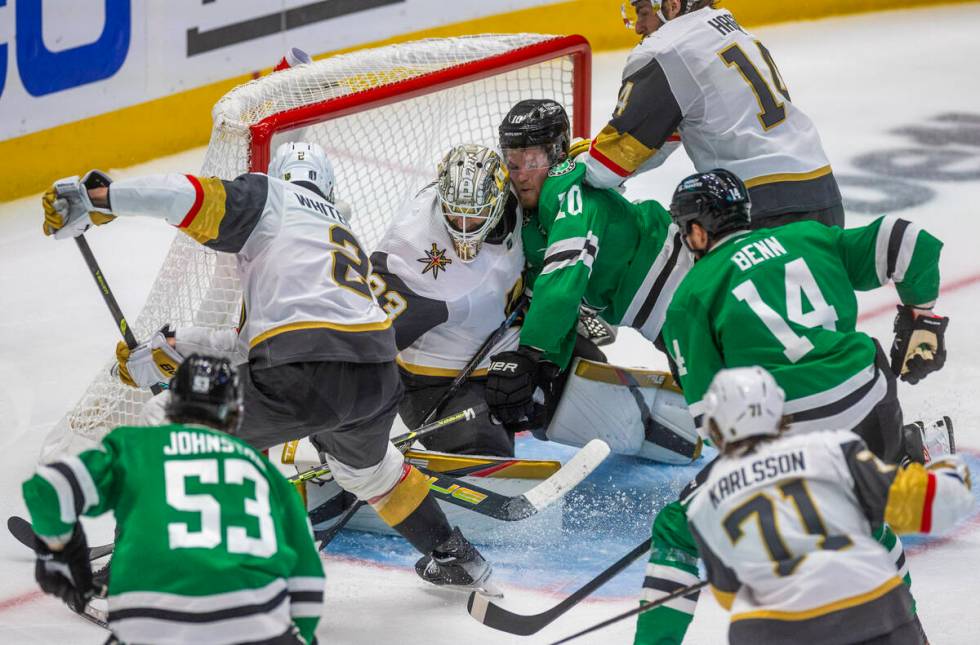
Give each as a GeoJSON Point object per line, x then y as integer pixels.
{"type": "Point", "coordinates": [919, 347]}
{"type": "Point", "coordinates": [66, 574]}
{"type": "Point", "coordinates": [512, 380]}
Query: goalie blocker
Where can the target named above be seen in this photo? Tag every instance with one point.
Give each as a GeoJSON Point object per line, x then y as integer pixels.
{"type": "Point", "coordinates": [637, 412]}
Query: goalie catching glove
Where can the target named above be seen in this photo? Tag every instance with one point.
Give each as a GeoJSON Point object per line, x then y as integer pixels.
{"type": "Point", "coordinates": [149, 363]}
{"type": "Point", "coordinates": [68, 209]}
{"type": "Point", "coordinates": [919, 347]}
{"type": "Point", "coordinates": [67, 573]}
{"type": "Point", "coordinates": [512, 382]}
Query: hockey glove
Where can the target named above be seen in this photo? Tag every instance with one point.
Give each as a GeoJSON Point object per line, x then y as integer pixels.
{"type": "Point", "coordinates": [919, 347]}
{"type": "Point", "coordinates": [513, 379]}
{"type": "Point", "coordinates": [68, 210]}
{"type": "Point", "coordinates": [149, 363]}
{"type": "Point", "coordinates": [67, 573]}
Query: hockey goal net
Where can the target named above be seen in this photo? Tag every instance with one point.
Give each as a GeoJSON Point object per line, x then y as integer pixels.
{"type": "Point", "coordinates": [385, 116]}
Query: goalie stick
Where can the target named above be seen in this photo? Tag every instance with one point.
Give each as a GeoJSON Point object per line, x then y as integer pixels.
{"type": "Point", "coordinates": [496, 617]}
{"type": "Point", "coordinates": [504, 507]}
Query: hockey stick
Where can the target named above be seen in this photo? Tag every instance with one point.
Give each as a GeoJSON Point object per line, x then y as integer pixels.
{"type": "Point", "coordinates": [677, 593]}
{"type": "Point", "coordinates": [519, 507]}
{"type": "Point", "coordinates": [505, 507]}
{"type": "Point", "coordinates": [477, 358]}
{"type": "Point", "coordinates": [496, 617]}
{"type": "Point", "coordinates": [23, 532]}
{"type": "Point", "coordinates": [329, 534]}
{"type": "Point", "coordinates": [402, 441]}
{"type": "Point", "coordinates": [110, 299]}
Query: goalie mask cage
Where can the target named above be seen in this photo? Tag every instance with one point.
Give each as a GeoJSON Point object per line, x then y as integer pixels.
{"type": "Point", "coordinates": [385, 117]}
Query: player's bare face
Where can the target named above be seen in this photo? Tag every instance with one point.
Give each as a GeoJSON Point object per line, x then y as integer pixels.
{"type": "Point", "coordinates": [647, 21]}
{"type": "Point", "coordinates": [528, 169]}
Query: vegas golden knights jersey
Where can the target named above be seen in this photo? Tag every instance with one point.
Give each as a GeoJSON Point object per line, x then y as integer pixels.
{"type": "Point", "coordinates": [785, 531]}
{"type": "Point", "coordinates": [304, 274]}
{"type": "Point", "coordinates": [442, 308]}
{"type": "Point", "coordinates": [705, 77]}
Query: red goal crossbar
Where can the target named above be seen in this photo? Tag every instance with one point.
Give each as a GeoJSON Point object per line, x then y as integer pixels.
{"type": "Point", "coordinates": [575, 46]}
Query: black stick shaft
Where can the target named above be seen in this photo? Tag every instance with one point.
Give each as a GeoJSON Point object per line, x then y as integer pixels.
{"type": "Point", "coordinates": [478, 357]}
{"type": "Point", "coordinates": [110, 299]}
{"type": "Point", "coordinates": [636, 610]}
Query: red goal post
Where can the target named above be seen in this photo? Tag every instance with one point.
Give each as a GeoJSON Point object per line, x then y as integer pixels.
{"type": "Point", "coordinates": [385, 116]}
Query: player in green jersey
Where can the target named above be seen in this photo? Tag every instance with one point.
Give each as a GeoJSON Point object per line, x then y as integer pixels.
{"type": "Point", "coordinates": [585, 247]}
{"type": "Point", "coordinates": [784, 298]}
{"type": "Point", "coordinates": [213, 544]}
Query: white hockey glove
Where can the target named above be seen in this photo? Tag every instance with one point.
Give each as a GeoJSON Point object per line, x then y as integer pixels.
{"type": "Point", "coordinates": [149, 363]}
{"type": "Point", "coordinates": [68, 210]}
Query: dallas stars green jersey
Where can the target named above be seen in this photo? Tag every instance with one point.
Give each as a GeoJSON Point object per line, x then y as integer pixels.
{"type": "Point", "coordinates": [593, 247]}
{"type": "Point", "coordinates": [213, 545]}
{"type": "Point", "coordinates": [783, 298]}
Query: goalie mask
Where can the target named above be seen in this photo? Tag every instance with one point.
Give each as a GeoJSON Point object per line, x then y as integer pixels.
{"type": "Point", "coordinates": [473, 185]}
{"type": "Point", "coordinates": [300, 161]}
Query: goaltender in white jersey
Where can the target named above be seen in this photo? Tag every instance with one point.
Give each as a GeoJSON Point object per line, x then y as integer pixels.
{"type": "Point", "coordinates": [783, 523]}
{"type": "Point", "coordinates": [702, 75]}
{"type": "Point", "coordinates": [448, 271]}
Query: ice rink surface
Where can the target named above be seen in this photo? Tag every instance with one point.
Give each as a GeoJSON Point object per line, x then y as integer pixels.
{"type": "Point", "coordinates": [897, 101]}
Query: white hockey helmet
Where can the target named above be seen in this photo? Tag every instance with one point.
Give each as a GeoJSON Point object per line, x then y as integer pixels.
{"type": "Point", "coordinates": [743, 402]}
{"type": "Point", "coordinates": [301, 161]}
{"type": "Point", "coordinates": [473, 185]}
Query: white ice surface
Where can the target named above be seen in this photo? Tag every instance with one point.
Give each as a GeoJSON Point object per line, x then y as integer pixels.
{"type": "Point", "coordinates": [858, 78]}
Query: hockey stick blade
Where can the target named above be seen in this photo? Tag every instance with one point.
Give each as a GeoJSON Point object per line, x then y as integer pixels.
{"type": "Point", "coordinates": [519, 507]}
{"type": "Point", "coordinates": [23, 533]}
{"type": "Point", "coordinates": [496, 617]}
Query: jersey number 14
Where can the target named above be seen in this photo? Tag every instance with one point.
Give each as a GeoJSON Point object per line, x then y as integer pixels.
{"type": "Point", "coordinates": [799, 283]}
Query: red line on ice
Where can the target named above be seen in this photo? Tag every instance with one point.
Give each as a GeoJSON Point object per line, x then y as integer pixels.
{"type": "Point", "coordinates": [16, 601]}
{"type": "Point", "coordinates": [954, 285]}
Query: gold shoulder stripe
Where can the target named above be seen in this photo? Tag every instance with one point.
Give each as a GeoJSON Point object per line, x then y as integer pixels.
{"type": "Point", "coordinates": [204, 225]}
{"type": "Point", "coordinates": [622, 149]}
{"type": "Point", "coordinates": [846, 603]}
{"type": "Point", "coordinates": [907, 499]}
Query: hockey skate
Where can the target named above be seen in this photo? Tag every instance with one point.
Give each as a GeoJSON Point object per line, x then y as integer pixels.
{"type": "Point", "coordinates": [456, 564]}
{"type": "Point", "coordinates": [930, 441]}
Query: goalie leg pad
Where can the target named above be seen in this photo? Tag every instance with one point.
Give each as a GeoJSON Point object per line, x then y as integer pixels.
{"type": "Point", "coordinates": [637, 412]}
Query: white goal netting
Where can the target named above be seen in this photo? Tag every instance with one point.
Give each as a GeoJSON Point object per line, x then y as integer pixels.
{"type": "Point", "coordinates": [385, 116]}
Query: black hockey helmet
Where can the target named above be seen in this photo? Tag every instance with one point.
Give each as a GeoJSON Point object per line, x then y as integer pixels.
{"type": "Point", "coordinates": [717, 200]}
{"type": "Point", "coordinates": [537, 122]}
{"type": "Point", "coordinates": [205, 390]}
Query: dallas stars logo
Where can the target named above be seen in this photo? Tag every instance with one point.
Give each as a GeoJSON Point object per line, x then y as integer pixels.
{"type": "Point", "coordinates": [434, 260]}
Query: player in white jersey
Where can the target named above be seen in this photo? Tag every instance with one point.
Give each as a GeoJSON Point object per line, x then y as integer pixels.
{"type": "Point", "coordinates": [448, 271]}
{"type": "Point", "coordinates": [321, 350]}
{"type": "Point", "coordinates": [702, 75]}
{"type": "Point", "coordinates": [783, 523]}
